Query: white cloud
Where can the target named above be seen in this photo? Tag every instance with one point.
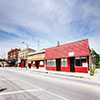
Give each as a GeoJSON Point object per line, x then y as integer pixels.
{"type": "Point", "coordinates": [50, 21]}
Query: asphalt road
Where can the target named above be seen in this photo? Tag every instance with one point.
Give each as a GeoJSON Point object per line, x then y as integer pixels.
{"type": "Point", "coordinates": [21, 84]}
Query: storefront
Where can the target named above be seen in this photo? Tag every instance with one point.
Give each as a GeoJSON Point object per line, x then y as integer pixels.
{"type": "Point", "coordinates": [72, 57]}
{"type": "Point", "coordinates": [36, 63]}
{"type": "Point", "coordinates": [11, 62]}
{"type": "Point", "coordinates": [22, 64]}
{"type": "Point", "coordinates": [36, 59]}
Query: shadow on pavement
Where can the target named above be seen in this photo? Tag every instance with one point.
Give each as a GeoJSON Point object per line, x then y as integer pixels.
{"type": "Point", "coordinates": [3, 89]}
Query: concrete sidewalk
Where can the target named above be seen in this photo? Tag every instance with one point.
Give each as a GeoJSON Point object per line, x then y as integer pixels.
{"type": "Point", "coordinates": [70, 74]}
{"type": "Point", "coordinates": [96, 76]}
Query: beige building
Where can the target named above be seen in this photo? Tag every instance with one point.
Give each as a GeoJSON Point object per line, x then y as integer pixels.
{"type": "Point", "coordinates": [23, 56]}
{"type": "Point", "coordinates": [36, 59]}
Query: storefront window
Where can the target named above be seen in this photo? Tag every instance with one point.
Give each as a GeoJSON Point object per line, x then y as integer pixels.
{"type": "Point", "coordinates": [79, 61]}
{"type": "Point", "coordinates": [51, 63]}
{"type": "Point", "coordinates": [64, 62]}
{"type": "Point", "coordinates": [41, 62]}
{"type": "Point", "coordinates": [33, 62]}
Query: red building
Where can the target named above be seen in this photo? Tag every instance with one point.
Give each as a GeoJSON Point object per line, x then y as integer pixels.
{"type": "Point", "coordinates": [72, 57]}
{"type": "Point", "coordinates": [13, 57]}
{"type": "Point", "coordinates": [23, 57]}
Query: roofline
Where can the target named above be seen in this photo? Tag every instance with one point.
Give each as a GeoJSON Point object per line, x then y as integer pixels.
{"type": "Point", "coordinates": [14, 50]}
{"type": "Point", "coordinates": [67, 43]}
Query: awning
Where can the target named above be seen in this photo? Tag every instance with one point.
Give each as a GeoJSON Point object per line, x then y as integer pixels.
{"type": "Point", "coordinates": [36, 59]}
{"type": "Point", "coordinates": [11, 61]}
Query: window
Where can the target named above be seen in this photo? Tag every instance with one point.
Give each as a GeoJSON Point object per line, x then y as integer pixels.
{"type": "Point", "coordinates": [51, 63]}
{"type": "Point", "coordinates": [41, 62]}
{"type": "Point", "coordinates": [33, 62]}
{"type": "Point", "coordinates": [64, 62]}
{"type": "Point", "coordinates": [79, 61]}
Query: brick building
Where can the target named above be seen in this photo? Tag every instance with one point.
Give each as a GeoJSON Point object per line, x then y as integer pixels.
{"type": "Point", "coordinates": [13, 57]}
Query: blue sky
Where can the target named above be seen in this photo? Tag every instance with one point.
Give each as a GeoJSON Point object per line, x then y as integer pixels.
{"type": "Point", "coordinates": [48, 21]}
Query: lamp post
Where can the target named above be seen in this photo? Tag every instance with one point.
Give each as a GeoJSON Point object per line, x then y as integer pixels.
{"type": "Point", "coordinates": [26, 54]}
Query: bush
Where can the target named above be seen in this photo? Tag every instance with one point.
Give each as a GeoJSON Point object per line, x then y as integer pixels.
{"type": "Point", "coordinates": [97, 66]}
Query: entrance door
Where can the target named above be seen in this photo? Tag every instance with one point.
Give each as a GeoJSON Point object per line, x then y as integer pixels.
{"type": "Point", "coordinates": [37, 64]}
{"type": "Point", "coordinates": [24, 64]}
{"type": "Point", "coordinates": [29, 66]}
{"type": "Point", "coordinates": [58, 64]}
{"type": "Point", "coordinates": [72, 67]}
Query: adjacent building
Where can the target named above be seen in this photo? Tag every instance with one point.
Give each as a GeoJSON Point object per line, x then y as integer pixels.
{"type": "Point", "coordinates": [72, 57]}
{"type": "Point", "coordinates": [23, 57]}
{"type": "Point", "coordinates": [36, 59]}
{"type": "Point", "coordinates": [3, 62]}
{"type": "Point", "coordinates": [13, 57]}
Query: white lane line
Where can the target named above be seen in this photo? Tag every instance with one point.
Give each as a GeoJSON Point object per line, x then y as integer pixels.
{"type": "Point", "coordinates": [21, 91]}
{"type": "Point", "coordinates": [3, 79]}
{"type": "Point", "coordinates": [44, 90]}
{"type": "Point", "coordinates": [65, 81]}
{"type": "Point", "coordinates": [55, 95]}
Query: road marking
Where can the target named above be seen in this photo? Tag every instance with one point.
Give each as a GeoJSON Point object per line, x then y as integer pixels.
{"type": "Point", "coordinates": [66, 81]}
{"type": "Point", "coordinates": [55, 95]}
{"type": "Point", "coordinates": [44, 90]}
{"type": "Point", "coordinates": [2, 79]}
{"type": "Point", "coordinates": [57, 80]}
{"type": "Point", "coordinates": [21, 91]}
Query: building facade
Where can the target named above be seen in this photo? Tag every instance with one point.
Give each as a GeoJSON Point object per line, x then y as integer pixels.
{"type": "Point", "coordinates": [13, 57]}
{"type": "Point", "coordinates": [23, 57]}
{"type": "Point", "coordinates": [72, 57]}
{"type": "Point", "coordinates": [36, 59]}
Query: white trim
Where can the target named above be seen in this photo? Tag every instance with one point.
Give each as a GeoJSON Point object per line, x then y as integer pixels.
{"type": "Point", "coordinates": [21, 91]}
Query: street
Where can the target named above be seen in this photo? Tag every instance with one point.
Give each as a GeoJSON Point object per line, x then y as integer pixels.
{"type": "Point", "coordinates": [21, 84]}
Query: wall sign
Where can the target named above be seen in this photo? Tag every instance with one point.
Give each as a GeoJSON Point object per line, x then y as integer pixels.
{"type": "Point", "coordinates": [29, 62]}
{"type": "Point", "coordinates": [84, 64]}
{"type": "Point", "coordinates": [71, 54]}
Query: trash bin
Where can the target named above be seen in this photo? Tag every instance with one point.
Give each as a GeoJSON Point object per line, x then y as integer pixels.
{"type": "Point", "coordinates": [90, 69]}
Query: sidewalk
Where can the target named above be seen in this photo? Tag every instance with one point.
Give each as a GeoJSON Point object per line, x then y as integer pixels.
{"type": "Point", "coordinates": [70, 74]}
{"type": "Point", "coordinates": [97, 74]}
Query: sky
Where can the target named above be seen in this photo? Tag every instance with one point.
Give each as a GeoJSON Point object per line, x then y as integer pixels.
{"type": "Point", "coordinates": [45, 22]}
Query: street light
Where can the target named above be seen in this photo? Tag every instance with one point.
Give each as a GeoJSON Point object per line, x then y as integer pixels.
{"type": "Point", "coordinates": [26, 54]}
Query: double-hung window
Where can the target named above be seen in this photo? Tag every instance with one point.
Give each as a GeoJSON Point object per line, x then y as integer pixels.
{"type": "Point", "coordinates": [79, 61]}
{"type": "Point", "coordinates": [51, 63]}
{"type": "Point", "coordinates": [64, 62]}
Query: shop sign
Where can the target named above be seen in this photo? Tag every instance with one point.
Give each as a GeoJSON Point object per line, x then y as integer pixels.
{"type": "Point", "coordinates": [84, 64]}
{"type": "Point", "coordinates": [29, 62]}
{"type": "Point", "coordinates": [71, 54]}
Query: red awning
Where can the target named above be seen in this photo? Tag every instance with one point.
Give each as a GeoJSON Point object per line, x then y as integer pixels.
{"type": "Point", "coordinates": [75, 49]}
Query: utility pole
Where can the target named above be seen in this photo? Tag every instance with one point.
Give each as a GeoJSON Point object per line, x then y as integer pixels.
{"type": "Point", "coordinates": [26, 54]}
{"type": "Point", "coordinates": [58, 43]}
